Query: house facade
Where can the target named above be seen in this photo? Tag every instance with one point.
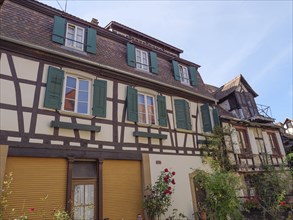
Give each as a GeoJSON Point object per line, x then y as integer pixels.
{"type": "Point", "coordinates": [90, 115]}
{"type": "Point", "coordinates": [253, 140]}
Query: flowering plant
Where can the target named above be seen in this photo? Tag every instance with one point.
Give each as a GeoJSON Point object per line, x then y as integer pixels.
{"type": "Point", "coordinates": [158, 196]}
{"type": "Point", "coordinates": [251, 203]}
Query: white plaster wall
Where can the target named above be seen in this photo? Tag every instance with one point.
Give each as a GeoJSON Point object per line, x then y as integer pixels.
{"type": "Point", "coordinates": [183, 166]}
{"type": "Point", "coordinates": [128, 135]}
{"type": "Point", "coordinates": [106, 133]}
{"type": "Point", "coordinates": [26, 69]}
{"type": "Point", "coordinates": [4, 66]}
{"type": "Point", "coordinates": [43, 124]}
{"type": "Point", "coordinates": [27, 121]}
{"type": "Point", "coordinates": [27, 94]}
{"type": "Point", "coordinates": [7, 92]}
{"type": "Point", "coordinates": [8, 120]}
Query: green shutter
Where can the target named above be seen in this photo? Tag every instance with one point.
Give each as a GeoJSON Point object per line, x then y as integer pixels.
{"type": "Point", "coordinates": [131, 61]}
{"type": "Point", "coordinates": [132, 111]}
{"type": "Point", "coordinates": [193, 75]}
{"type": "Point", "coordinates": [162, 111]}
{"type": "Point", "coordinates": [91, 45]}
{"type": "Point", "coordinates": [58, 30]}
{"type": "Point", "coordinates": [176, 70]}
{"type": "Point", "coordinates": [100, 96]}
{"type": "Point", "coordinates": [206, 118]}
{"type": "Point", "coordinates": [182, 114]}
{"type": "Point", "coordinates": [154, 63]}
{"type": "Point", "coordinates": [53, 95]}
{"type": "Point", "coordinates": [216, 117]}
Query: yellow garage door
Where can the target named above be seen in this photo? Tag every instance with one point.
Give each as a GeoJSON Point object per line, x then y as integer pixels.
{"type": "Point", "coordinates": [38, 186]}
{"type": "Point", "coordinates": [122, 189]}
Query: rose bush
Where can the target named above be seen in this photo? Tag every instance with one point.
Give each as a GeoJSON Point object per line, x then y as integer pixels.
{"type": "Point", "coordinates": [157, 199]}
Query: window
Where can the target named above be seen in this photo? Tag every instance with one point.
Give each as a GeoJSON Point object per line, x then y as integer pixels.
{"type": "Point", "coordinates": [274, 143]}
{"type": "Point", "coordinates": [142, 61]}
{"type": "Point", "coordinates": [84, 192]}
{"type": "Point", "coordinates": [84, 201]}
{"type": "Point", "coordinates": [141, 108]}
{"type": "Point", "coordinates": [146, 109]}
{"type": "Point", "coordinates": [187, 76]}
{"type": "Point", "coordinates": [243, 140]}
{"type": "Point", "coordinates": [182, 114]}
{"type": "Point", "coordinates": [74, 37]}
{"type": "Point", "coordinates": [184, 76]}
{"type": "Point", "coordinates": [76, 95]}
{"type": "Point", "coordinates": [206, 117]}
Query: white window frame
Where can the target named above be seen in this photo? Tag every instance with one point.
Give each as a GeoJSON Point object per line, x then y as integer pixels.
{"type": "Point", "coordinates": [184, 74]}
{"type": "Point", "coordinates": [78, 79]}
{"type": "Point", "coordinates": [146, 108]}
{"type": "Point", "coordinates": [75, 42]}
{"type": "Point", "coordinates": [139, 60]}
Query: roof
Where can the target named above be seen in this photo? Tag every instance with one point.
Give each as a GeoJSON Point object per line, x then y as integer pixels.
{"type": "Point", "coordinates": [117, 26]}
{"type": "Point", "coordinates": [231, 86]}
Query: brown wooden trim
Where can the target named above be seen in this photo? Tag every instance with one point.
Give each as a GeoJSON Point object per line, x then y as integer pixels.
{"type": "Point", "coordinates": [76, 152]}
{"type": "Point", "coordinates": [18, 95]}
{"type": "Point", "coordinates": [69, 184]}
{"type": "Point", "coordinates": [115, 112]}
{"type": "Point", "coordinates": [100, 189]}
{"type": "Point", "coordinates": [36, 99]}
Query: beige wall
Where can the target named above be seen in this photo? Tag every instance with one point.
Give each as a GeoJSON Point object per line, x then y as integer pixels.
{"type": "Point", "coordinates": [183, 166]}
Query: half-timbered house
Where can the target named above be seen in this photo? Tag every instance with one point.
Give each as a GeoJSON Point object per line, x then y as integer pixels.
{"type": "Point", "coordinates": [90, 115]}
{"type": "Point", "coordinates": [254, 139]}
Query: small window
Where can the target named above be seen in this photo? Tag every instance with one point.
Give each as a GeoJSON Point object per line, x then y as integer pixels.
{"type": "Point", "coordinates": [146, 109]}
{"type": "Point", "coordinates": [274, 143]}
{"type": "Point", "coordinates": [243, 140]}
{"type": "Point", "coordinates": [74, 37]}
{"type": "Point", "coordinates": [142, 61]}
{"type": "Point", "coordinates": [76, 95]}
{"type": "Point", "coordinates": [184, 76]}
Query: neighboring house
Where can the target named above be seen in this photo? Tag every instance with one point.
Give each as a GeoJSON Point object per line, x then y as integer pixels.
{"type": "Point", "coordinates": [254, 139]}
{"type": "Point", "coordinates": [287, 135]}
{"type": "Point", "coordinates": [89, 115]}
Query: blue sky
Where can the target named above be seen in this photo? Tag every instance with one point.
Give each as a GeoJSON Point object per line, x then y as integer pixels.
{"type": "Point", "coordinates": [227, 38]}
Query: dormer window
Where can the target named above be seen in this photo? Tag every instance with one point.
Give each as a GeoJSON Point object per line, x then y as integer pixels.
{"type": "Point", "coordinates": [74, 37]}
{"type": "Point", "coordinates": [142, 61]}
{"type": "Point", "coordinates": [184, 76]}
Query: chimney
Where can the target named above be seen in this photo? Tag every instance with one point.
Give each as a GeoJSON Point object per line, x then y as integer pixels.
{"type": "Point", "coordinates": [95, 21]}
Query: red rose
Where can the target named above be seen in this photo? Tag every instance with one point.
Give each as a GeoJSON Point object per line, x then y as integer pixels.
{"type": "Point", "coordinates": [166, 191]}
{"type": "Point", "coordinates": [166, 170]}
{"type": "Point", "coordinates": [283, 203]}
{"type": "Point", "coordinates": [173, 181]}
{"type": "Point", "coordinates": [166, 180]}
{"type": "Point", "coordinates": [31, 209]}
{"type": "Point", "coordinates": [173, 173]}
{"type": "Point", "coordinates": [170, 192]}
{"type": "Point", "coordinates": [169, 188]}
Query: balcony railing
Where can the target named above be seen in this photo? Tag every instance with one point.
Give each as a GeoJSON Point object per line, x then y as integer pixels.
{"type": "Point", "coordinates": [264, 110]}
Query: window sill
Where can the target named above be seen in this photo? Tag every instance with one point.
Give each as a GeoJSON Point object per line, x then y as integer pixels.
{"type": "Point", "coordinates": [184, 130]}
{"type": "Point", "coordinates": [66, 113]}
{"type": "Point", "coordinates": [73, 50]}
{"type": "Point", "coordinates": [67, 125]}
{"type": "Point", "coordinates": [149, 135]}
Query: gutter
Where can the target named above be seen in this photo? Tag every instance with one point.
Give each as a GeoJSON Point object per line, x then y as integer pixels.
{"type": "Point", "coordinates": [99, 65]}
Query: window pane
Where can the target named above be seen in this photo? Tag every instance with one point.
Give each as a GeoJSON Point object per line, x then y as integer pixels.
{"type": "Point", "coordinates": [70, 93]}
{"type": "Point", "coordinates": [82, 107]}
{"type": "Point", "coordinates": [78, 213]}
{"type": "Point", "coordinates": [89, 213]}
{"type": "Point", "coordinates": [83, 96]}
{"type": "Point", "coordinates": [70, 82]}
{"type": "Point", "coordinates": [83, 85]}
{"type": "Point", "coordinates": [69, 105]}
{"type": "Point", "coordinates": [78, 195]}
{"type": "Point", "coordinates": [140, 98]}
{"type": "Point", "coordinates": [89, 194]}
{"type": "Point", "coordinates": [141, 117]}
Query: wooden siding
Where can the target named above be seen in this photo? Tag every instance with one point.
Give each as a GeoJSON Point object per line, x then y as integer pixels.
{"type": "Point", "coordinates": [122, 189]}
{"type": "Point", "coordinates": [33, 180]}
